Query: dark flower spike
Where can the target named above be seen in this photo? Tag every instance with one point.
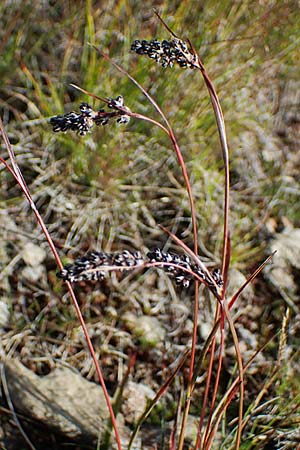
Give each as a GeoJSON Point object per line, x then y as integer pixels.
{"type": "Point", "coordinates": [167, 53]}
{"type": "Point", "coordinates": [95, 266]}
{"type": "Point", "coordinates": [189, 269]}
{"type": "Point", "coordinates": [83, 122]}
{"type": "Point", "coordinates": [116, 103]}
{"type": "Point", "coordinates": [203, 274]}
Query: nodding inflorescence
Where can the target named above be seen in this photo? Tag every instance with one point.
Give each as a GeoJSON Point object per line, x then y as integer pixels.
{"type": "Point", "coordinates": [167, 53]}
{"type": "Point", "coordinates": [190, 270]}
{"type": "Point", "coordinates": [182, 277]}
{"type": "Point", "coordinates": [83, 122]}
{"type": "Point", "coordinates": [95, 265]}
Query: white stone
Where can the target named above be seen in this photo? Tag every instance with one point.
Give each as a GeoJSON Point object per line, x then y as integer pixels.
{"type": "Point", "coordinates": [32, 254]}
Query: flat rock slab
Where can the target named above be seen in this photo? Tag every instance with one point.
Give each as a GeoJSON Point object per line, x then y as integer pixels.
{"type": "Point", "coordinates": [63, 400]}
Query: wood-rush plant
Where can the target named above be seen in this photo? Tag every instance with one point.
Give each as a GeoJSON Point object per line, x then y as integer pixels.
{"type": "Point", "coordinates": [185, 267]}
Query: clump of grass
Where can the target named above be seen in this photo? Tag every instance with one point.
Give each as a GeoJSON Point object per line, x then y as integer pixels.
{"type": "Point", "coordinates": [94, 265]}
{"type": "Point", "coordinates": [77, 237]}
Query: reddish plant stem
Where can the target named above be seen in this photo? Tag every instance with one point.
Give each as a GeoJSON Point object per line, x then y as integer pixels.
{"type": "Point", "coordinates": [241, 374]}
{"type": "Point", "coordinates": [154, 401]}
{"type": "Point", "coordinates": [254, 274]}
{"type": "Point", "coordinates": [226, 244]}
{"type": "Point", "coordinates": [213, 430]}
{"type": "Point", "coordinates": [207, 385]}
{"type": "Point", "coordinates": [172, 138]}
{"type": "Point", "coordinates": [223, 140]}
{"type": "Point", "coordinates": [216, 384]}
{"type": "Point", "coordinates": [195, 235]}
{"type": "Point", "coordinates": [190, 196]}
{"type": "Point", "coordinates": [17, 174]}
{"type": "Point", "coordinates": [231, 392]}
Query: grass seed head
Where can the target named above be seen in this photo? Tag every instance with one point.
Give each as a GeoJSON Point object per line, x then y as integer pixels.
{"type": "Point", "coordinates": [95, 265]}
{"type": "Point", "coordinates": [167, 53]}
{"type": "Point", "coordinates": [83, 122]}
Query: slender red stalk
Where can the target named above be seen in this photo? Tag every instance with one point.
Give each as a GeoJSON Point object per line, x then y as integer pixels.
{"type": "Point", "coordinates": [194, 225]}
{"type": "Point", "coordinates": [207, 386]}
{"type": "Point", "coordinates": [226, 241]}
{"type": "Point", "coordinates": [216, 385]}
{"type": "Point", "coordinates": [241, 374]}
{"type": "Point", "coordinates": [255, 273]}
{"type": "Point", "coordinates": [17, 174]}
{"type": "Point", "coordinates": [223, 140]}
{"type": "Point", "coordinates": [228, 396]}
{"type": "Point", "coordinates": [226, 249]}
{"type": "Point", "coordinates": [157, 397]}
{"type": "Point", "coordinates": [171, 136]}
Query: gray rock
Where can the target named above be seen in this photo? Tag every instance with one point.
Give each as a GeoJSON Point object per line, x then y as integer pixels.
{"type": "Point", "coordinates": [135, 399]}
{"type": "Point", "coordinates": [287, 247]}
{"type": "Point", "coordinates": [148, 329]}
{"type": "Point", "coordinates": [35, 274]}
{"type": "Point", "coordinates": [33, 255]}
{"type": "Point", "coordinates": [63, 400]}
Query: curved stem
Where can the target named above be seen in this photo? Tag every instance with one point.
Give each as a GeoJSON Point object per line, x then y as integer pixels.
{"type": "Point", "coordinates": [216, 383]}
{"type": "Point", "coordinates": [224, 146]}
{"type": "Point", "coordinates": [171, 135]}
{"type": "Point", "coordinates": [241, 374]}
{"type": "Point", "coordinates": [17, 174]}
{"type": "Point", "coordinates": [207, 384]}
{"type": "Point", "coordinates": [194, 225]}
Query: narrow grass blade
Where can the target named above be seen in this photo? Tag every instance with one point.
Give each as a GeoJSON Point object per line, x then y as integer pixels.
{"type": "Point", "coordinates": [255, 273]}
{"type": "Point", "coordinates": [157, 397]}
